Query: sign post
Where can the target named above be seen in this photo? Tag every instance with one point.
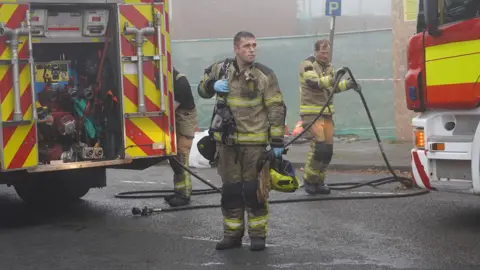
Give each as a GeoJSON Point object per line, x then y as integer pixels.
{"type": "Point", "coordinates": [333, 8]}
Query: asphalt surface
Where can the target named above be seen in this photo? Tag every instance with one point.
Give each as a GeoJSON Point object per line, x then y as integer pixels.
{"type": "Point", "coordinates": [434, 231]}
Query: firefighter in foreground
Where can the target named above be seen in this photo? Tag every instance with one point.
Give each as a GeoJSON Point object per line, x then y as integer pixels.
{"type": "Point", "coordinates": [252, 114]}
{"type": "Point", "coordinates": [316, 83]}
{"type": "Point", "coordinates": [186, 124]}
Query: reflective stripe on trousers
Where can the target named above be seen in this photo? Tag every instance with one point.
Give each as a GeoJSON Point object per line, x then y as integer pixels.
{"type": "Point", "coordinates": [314, 109]}
{"type": "Point", "coordinates": [258, 138]}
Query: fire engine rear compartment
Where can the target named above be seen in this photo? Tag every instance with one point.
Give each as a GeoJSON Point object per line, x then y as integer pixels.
{"type": "Point", "coordinates": [77, 83]}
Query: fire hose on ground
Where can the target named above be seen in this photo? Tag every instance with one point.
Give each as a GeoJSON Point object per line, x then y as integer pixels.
{"type": "Point", "coordinates": [333, 186]}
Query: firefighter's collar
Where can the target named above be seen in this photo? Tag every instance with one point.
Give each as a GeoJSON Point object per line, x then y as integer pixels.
{"type": "Point", "coordinates": [247, 71]}
{"type": "Point", "coordinates": [323, 64]}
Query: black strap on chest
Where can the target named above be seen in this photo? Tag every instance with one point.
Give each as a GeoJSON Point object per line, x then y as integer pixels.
{"type": "Point", "coordinates": [221, 108]}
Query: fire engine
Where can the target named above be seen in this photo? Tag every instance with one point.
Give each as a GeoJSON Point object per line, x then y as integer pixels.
{"type": "Point", "coordinates": [443, 86]}
{"type": "Point", "coordinates": [84, 86]}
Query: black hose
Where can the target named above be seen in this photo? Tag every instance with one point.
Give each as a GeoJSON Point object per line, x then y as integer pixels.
{"type": "Point", "coordinates": [334, 186]}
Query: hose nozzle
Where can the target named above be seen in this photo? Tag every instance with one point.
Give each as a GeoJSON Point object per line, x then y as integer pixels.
{"type": "Point", "coordinates": [145, 211]}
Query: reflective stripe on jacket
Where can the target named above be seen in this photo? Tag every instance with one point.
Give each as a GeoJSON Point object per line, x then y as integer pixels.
{"type": "Point", "coordinates": [316, 84]}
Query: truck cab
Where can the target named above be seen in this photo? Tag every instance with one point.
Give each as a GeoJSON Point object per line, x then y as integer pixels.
{"type": "Point", "coordinates": [443, 86]}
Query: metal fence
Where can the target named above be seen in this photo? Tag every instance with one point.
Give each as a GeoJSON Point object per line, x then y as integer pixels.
{"type": "Point", "coordinates": [368, 54]}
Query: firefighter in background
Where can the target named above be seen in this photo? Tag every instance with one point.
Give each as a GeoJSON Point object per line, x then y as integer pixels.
{"type": "Point", "coordinates": [253, 97]}
{"type": "Point", "coordinates": [186, 124]}
{"type": "Point", "coordinates": [316, 83]}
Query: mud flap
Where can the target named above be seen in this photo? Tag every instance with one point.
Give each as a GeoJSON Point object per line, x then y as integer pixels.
{"type": "Point", "coordinates": [147, 82]}
{"type": "Point", "coordinates": [18, 136]}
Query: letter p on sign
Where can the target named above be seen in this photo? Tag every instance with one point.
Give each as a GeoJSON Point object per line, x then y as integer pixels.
{"type": "Point", "coordinates": [333, 7]}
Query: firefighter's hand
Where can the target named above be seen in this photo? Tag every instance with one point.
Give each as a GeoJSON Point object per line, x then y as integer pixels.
{"type": "Point", "coordinates": [355, 86]}
{"type": "Point", "coordinates": [221, 86]}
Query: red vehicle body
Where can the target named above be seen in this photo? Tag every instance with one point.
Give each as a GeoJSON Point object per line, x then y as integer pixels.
{"type": "Point", "coordinates": [442, 84]}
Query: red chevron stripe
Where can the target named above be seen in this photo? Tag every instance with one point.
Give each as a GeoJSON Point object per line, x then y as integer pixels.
{"type": "Point", "coordinates": [7, 134]}
{"type": "Point", "coordinates": [6, 83]}
{"type": "Point", "coordinates": [26, 100]}
{"type": "Point", "coordinates": [13, 22]}
{"type": "Point", "coordinates": [25, 148]}
{"type": "Point", "coordinates": [161, 122]}
{"type": "Point", "coordinates": [128, 49]}
{"type": "Point", "coordinates": [141, 139]}
{"type": "Point", "coordinates": [23, 53]}
{"type": "Point", "coordinates": [130, 91]}
{"type": "Point", "coordinates": [135, 18]}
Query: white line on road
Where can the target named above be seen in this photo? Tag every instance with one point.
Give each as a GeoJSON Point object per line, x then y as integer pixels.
{"type": "Point", "coordinates": [214, 240]}
{"type": "Point", "coordinates": [375, 193]}
{"type": "Point", "coordinates": [139, 182]}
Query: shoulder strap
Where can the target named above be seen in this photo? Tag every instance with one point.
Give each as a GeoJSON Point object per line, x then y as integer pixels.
{"type": "Point", "coordinates": [225, 66]}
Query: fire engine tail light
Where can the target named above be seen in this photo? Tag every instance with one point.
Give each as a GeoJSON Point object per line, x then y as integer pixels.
{"type": "Point", "coordinates": [437, 147]}
{"type": "Point", "coordinates": [419, 138]}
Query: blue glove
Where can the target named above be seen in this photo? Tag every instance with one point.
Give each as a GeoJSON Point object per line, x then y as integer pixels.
{"type": "Point", "coordinates": [278, 151]}
{"type": "Point", "coordinates": [221, 86]}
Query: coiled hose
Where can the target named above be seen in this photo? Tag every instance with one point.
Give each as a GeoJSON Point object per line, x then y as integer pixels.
{"type": "Point", "coordinates": [334, 186]}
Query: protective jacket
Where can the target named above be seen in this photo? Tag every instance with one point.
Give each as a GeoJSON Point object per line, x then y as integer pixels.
{"type": "Point", "coordinates": [316, 84]}
{"type": "Point", "coordinates": [255, 101]}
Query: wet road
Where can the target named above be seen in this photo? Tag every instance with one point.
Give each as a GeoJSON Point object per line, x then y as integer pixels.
{"type": "Point", "coordinates": [434, 231]}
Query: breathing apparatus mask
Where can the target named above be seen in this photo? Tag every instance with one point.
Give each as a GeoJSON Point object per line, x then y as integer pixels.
{"type": "Point", "coordinates": [222, 122]}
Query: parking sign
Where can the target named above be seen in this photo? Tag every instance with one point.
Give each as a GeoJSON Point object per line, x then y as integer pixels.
{"type": "Point", "coordinates": [333, 8]}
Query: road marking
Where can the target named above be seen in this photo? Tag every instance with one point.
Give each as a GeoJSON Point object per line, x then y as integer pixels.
{"type": "Point", "coordinates": [374, 193]}
{"type": "Point", "coordinates": [139, 182]}
{"type": "Point", "coordinates": [208, 239]}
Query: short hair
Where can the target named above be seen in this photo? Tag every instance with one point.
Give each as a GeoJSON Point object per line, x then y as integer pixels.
{"type": "Point", "coordinates": [240, 35]}
{"type": "Point", "coordinates": [321, 44]}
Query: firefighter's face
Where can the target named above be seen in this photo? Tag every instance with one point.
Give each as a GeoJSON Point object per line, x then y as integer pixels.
{"type": "Point", "coordinates": [322, 55]}
{"type": "Point", "coordinates": [245, 50]}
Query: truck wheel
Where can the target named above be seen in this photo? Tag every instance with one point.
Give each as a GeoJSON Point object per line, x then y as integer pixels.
{"type": "Point", "coordinates": [41, 191]}
{"type": "Point", "coordinates": [59, 186]}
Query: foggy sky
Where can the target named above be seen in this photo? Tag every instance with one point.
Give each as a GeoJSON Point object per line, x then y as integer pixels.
{"type": "Point", "coordinates": [349, 7]}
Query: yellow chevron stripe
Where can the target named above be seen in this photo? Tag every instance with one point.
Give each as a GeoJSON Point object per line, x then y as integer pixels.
{"type": "Point", "coordinates": [152, 130]}
{"type": "Point", "coordinates": [6, 12]}
{"type": "Point", "coordinates": [133, 151]}
{"type": "Point", "coordinates": [8, 102]}
{"type": "Point", "coordinates": [16, 141]}
{"type": "Point", "coordinates": [32, 159]}
{"type": "Point", "coordinates": [128, 105]}
{"type": "Point", "coordinates": [150, 89]}
{"type": "Point", "coordinates": [166, 33]}
{"type": "Point", "coordinates": [146, 10]}
{"type": "Point", "coordinates": [168, 44]}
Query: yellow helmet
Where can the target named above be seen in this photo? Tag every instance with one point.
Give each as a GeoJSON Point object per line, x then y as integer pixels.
{"type": "Point", "coordinates": [283, 176]}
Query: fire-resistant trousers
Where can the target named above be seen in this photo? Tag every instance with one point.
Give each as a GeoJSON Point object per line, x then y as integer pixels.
{"type": "Point", "coordinates": [186, 123]}
{"type": "Point", "coordinates": [237, 166]}
{"type": "Point", "coordinates": [321, 149]}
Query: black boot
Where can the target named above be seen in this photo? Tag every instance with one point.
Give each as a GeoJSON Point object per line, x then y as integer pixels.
{"type": "Point", "coordinates": [310, 189]}
{"type": "Point", "coordinates": [323, 189]}
{"type": "Point", "coordinates": [314, 189]}
{"type": "Point", "coordinates": [257, 244]}
{"type": "Point", "coordinates": [228, 243]}
{"type": "Point", "coordinates": [176, 200]}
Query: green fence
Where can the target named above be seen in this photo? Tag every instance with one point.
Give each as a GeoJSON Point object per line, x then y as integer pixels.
{"type": "Point", "coordinates": [368, 54]}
